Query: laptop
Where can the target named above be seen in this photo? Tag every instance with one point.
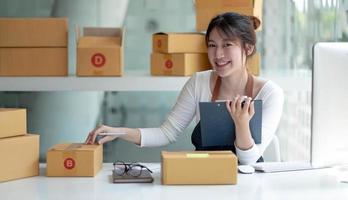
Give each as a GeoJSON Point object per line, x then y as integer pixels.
{"type": "Point", "coordinates": [217, 126]}
{"type": "Point", "coordinates": [329, 111]}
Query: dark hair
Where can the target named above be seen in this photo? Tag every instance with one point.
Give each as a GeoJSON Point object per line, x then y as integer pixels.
{"type": "Point", "coordinates": [235, 25]}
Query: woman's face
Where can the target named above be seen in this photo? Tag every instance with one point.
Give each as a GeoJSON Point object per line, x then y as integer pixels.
{"type": "Point", "coordinates": [225, 55]}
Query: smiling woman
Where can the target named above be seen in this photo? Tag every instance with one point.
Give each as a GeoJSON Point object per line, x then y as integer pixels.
{"type": "Point", "coordinates": [231, 40]}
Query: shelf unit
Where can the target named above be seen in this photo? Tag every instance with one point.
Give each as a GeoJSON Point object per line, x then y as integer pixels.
{"type": "Point", "coordinates": [130, 81]}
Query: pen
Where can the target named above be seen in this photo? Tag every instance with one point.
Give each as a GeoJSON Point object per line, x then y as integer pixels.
{"type": "Point", "coordinates": [113, 133]}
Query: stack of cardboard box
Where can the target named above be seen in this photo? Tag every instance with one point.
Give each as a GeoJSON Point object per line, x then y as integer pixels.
{"type": "Point", "coordinates": [207, 10]}
{"type": "Point", "coordinates": [19, 151]}
{"type": "Point", "coordinates": [33, 46]}
{"type": "Point", "coordinates": [100, 52]}
{"type": "Point", "coordinates": [178, 54]}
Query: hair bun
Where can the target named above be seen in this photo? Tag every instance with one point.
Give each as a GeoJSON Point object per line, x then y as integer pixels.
{"type": "Point", "coordinates": [256, 22]}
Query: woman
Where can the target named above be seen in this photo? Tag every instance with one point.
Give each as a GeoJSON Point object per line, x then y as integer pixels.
{"type": "Point", "coordinates": [231, 40]}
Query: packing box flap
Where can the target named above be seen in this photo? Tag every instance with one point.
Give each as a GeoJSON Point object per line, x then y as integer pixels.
{"type": "Point", "coordinates": [74, 147]}
{"type": "Point", "coordinates": [90, 41]}
{"type": "Point", "coordinates": [100, 36]}
{"type": "Point", "coordinates": [33, 32]}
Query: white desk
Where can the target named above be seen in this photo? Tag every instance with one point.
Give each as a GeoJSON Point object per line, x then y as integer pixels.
{"type": "Point", "coordinates": [313, 184]}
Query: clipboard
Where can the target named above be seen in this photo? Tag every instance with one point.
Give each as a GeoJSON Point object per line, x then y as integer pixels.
{"type": "Point", "coordinates": [217, 126]}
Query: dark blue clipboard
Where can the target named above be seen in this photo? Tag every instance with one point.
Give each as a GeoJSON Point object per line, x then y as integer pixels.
{"type": "Point", "coordinates": [217, 126]}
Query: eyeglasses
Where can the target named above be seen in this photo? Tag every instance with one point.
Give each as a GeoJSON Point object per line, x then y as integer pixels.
{"type": "Point", "coordinates": [132, 169]}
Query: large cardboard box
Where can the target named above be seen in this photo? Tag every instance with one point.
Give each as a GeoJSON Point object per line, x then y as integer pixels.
{"type": "Point", "coordinates": [73, 159]}
{"type": "Point", "coordinates": [179, 43]}
{"type": "Point", "coordinates": [33, 61]}
{"type": "Point", "coordinates": [178, 64]}
{"type": "Point", "coordinates": [33, 32]}
{"type": "Point", "coordinates": [19, 157]}
{"type": "Point", "coordinates": [198, 167]}
{"type": "Point", "coordinates": [254, 64]}
{"type": "Point", "coordinates": [100, 52]}
{"type": "Point", "coordinates": [206, 10]}
{"type": "Point", "coordinates": [13, 122]}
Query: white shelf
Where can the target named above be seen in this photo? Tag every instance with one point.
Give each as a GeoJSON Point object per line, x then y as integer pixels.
{"type": "Point", "coordinates": [130, 81]}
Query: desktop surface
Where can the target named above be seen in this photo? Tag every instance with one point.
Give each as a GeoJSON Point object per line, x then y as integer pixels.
{"type": "Point", "coordinates": [309, 184]}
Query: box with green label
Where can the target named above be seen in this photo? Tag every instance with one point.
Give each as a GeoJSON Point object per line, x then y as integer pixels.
{"type": "Point", "coordinates": [198, 167]}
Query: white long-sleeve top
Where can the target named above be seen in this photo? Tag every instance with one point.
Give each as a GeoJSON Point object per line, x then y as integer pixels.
{"type": "Point", "coordinates": [197, 89]}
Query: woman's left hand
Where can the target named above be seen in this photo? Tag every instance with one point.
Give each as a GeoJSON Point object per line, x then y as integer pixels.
{"type": "Point", "coordinates": [241, 109]}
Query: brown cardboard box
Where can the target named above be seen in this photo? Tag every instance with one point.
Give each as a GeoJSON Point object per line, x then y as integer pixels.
{"type": "Point", "coordinates": [198, 167]}
{"type": "Point", "coordinates": [19, 157]}
{"type": "Point", "coordinates": [207, 10]}
{"type": "Point", "coordinates": [178, 64]}
{"type": "Point", "coordinates": [33, 32]}
{"type": "Point", "coordinates": [74, 160]}
{"type": "Point", "coordinates": [13, 122]}
{"type": "Point", "coordinates": [100, 52]}
{"type": "Point", "coordinates": [179, 43]}
{"type": "Point", "coordinates": [253, 64]}
{"type": "Point", "coordinates": [33, 62]}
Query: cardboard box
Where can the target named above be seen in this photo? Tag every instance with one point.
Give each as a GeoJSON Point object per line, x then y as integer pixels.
{"type": "Point", "coordinates": [74, 159]}
{"type": "Point", "coordinates": [178, 64]}
{"type": "Point", "coordinates": [198, 167]}
{"type": "Point", "coordinates": [179, 43]}
{"type": "Point", "coordinates": [206, 10]}
{"type": "Point", "coordinates": [19, 157]}
{"type": "Point", "coordinates": [13, 122]}
{"type": "Point", "coordinates": [33, 62]}
{"type": "Point", "coordinates": [253, 64]}
{"type": "Point", "coordinates": [33, 32]}
{"type": "Point", "coordinates": [100, 52]}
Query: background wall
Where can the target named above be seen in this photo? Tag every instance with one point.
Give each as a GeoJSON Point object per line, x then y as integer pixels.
{"type": "Point", "coordinates": [289, 30]}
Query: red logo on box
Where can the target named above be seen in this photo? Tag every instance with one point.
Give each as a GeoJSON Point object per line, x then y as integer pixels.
{"type": "Point", "coordinates": [98, 60]}
{"type": "Point", "coordinates": [168, 64]}
{"type": "Point", "coordinates": [69, 163]}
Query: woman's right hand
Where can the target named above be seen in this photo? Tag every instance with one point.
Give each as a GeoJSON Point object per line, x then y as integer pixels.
{"type": "Point", "coordinates": [102, 130]}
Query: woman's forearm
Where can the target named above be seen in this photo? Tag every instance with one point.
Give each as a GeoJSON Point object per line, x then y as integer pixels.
{"type": "Point", "coordinates": [132, 135]}
{"type": "Point", "coordinates": [244, 140]}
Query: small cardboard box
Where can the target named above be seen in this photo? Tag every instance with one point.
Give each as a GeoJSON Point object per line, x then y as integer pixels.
{"type": "Point", "coordinates": [33, 32]}
{"type": "Point", "coordinates": [206, 10]}
{"type": "Point", "coordinates": [254, 65]}
{"type": "Point", "coordinates": [178, 64]}
{"type": "Point", "coordinates": [100, 52]}
{"type": "Point", "coordinates": [33, 61]}
{"type": "Point", "coordinates": [179, 43]}
{"type": "Point", "coordinates": [13, 122]}
{"type": "Point", "coordinates": [74, 159]}
{"type": "Point", "coordinates": [19, 157]}
{"type": "Point", "coordinates": [198, 167]}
